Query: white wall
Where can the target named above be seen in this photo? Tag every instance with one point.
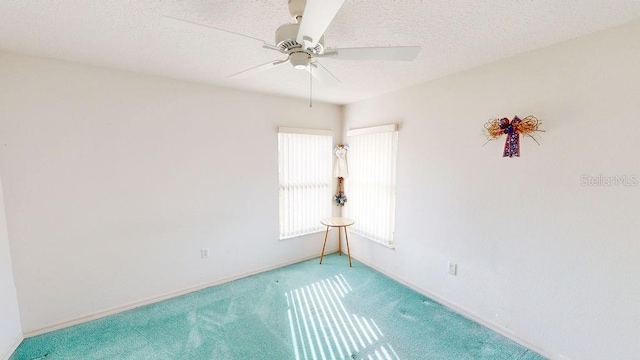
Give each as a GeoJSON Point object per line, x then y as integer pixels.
{"type": "Point", "coordinates": [114, 181]}
{"type": "Point", "coordinates": [541, 257]}
{"type": "Point", "coordinates": [10, 329]}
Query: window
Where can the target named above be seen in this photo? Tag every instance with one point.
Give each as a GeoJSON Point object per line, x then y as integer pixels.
{"type": "Point", "coordinates": [304, 171]}
{"type": "Point", "coordinates": [372, 182]}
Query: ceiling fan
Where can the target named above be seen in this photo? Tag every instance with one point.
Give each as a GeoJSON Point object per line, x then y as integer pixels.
{"type": "Point", "coordinates": [303, 42]}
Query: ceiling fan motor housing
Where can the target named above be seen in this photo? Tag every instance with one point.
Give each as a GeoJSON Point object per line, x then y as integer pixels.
{"type": "Point", "coordinates": [286, 40]}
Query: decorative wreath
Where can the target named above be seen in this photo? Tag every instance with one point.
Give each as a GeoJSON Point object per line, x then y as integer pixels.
{"type": "Point", "coordinates": [495, 128]}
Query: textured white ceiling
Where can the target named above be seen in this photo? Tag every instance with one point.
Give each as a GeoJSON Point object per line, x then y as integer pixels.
{"type": "Point", "coordinates": [454, 35]}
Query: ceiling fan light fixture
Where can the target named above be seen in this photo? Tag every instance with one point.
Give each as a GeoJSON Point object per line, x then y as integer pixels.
{"type": "Point", "coordinates": [299, 60]}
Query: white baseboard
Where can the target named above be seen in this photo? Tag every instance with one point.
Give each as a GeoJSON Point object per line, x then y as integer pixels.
{"type": "Point", "coordinates": [7, 354]}
{"type": "Point", "coordinates": [151, 300]}
{"type": "Point", "coordinates": [466, 313]}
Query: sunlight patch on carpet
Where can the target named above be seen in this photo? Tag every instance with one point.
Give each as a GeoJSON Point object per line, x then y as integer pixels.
{"type": "Point", "coordinates": [323, 328]}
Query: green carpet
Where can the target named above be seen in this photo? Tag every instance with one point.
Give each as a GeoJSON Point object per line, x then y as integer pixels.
{"type": "Point", "coordinates": [302, 311]}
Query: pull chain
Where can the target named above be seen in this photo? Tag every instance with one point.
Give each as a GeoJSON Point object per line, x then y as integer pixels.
{"type": "Point", "coordinates": [310, 86]}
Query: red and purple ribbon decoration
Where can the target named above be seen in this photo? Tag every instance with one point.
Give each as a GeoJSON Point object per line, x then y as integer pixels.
{"type": "Point", "coordinates": [512, 143]}
{"type": "Point", "coordinates": [495, 128]}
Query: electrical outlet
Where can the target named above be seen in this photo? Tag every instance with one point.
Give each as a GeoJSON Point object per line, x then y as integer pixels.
{"type": "Point", "coordinates": [453, 268]}
{"type": "Point", "coordinates": [204, 253]}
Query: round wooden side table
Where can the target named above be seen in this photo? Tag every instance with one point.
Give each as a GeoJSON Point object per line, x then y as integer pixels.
{"type": "Point", "coordinates": [340, 223]}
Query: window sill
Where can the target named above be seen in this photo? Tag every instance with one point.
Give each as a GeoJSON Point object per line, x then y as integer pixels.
{"type": "Point", "coordinates": [302, 234]}
{"type": "Point", "coordinates": [390, 246]}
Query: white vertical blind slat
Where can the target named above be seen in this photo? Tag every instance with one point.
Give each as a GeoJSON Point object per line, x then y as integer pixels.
{"type": "Point", "coordinates": [305, 182]}
{"type": "Point", "coordinates": [372, 185]}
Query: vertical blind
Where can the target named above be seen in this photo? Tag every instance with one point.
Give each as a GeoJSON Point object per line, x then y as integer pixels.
{"type": "Point", "coordinates": [371, 187]}
{"type": "Point", "coordinates": [304, 167]}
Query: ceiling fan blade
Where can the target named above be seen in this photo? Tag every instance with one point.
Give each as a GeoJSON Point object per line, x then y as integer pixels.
{"type": "Point", "coordinates": [258, 69]}
{"type": "Point", "coordinates": [397, 53]}
{"type": "Point", "coordinates": [317, 16]}
{"type": "Point", "coordinates": [194, 26]}
{"type": "Point", "coordinates": [324, 76]}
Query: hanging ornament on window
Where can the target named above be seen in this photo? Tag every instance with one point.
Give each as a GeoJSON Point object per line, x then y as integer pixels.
{"type": "Point", "coordinates": [341, 171]}
{"type": "Point", "coordinates": [340, 166]}
{"type": "Point", "coordinates": [340, 198]}
{"type": "Point", "coordinates": [495, 128]}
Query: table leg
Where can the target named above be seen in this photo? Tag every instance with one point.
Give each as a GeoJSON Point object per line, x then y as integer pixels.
{"type": "Point", "coordinates": [339, 242]}
{"type": "Point", "coordinates": [323, 244]}
{"type": "Point", "coordinates": [348, 250]}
